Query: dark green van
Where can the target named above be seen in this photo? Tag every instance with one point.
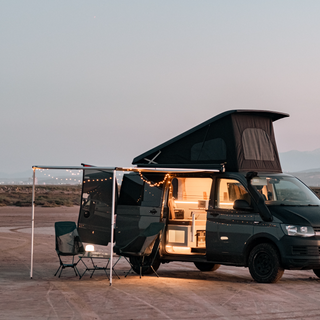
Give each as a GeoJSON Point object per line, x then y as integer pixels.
{"type": "Point", "coordinates": [236, 208]}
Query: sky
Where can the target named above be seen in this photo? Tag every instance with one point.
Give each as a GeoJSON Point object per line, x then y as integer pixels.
{"type": "Point", "coordinates": [101, 82]}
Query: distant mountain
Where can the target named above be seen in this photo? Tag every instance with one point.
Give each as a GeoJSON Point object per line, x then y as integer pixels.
{"type": "Point", "coordinates": [296, 161]}
{"type": "Point", "coordinates": [311, 179]}
{"type": "Point", "coordinates": [304, 165]}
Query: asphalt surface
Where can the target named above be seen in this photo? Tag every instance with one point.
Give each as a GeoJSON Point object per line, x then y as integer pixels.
{"type": "Point", "coordinates": [181, 292]}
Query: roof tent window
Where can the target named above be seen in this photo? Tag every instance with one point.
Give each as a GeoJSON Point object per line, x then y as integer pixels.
{"type": "Point", "coordinates": [214, 149]}
{"type": "Point", "coordinates": [257, 145]}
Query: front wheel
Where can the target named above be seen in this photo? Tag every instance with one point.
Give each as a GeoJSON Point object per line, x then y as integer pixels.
{"type": "Point", "coordinates": [204, 266]}
{"type": "Point", "coordinates": [264, 264]}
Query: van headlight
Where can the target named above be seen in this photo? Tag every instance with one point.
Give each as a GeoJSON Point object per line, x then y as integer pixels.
{"type": "Point", "coordinates": [298, 231]}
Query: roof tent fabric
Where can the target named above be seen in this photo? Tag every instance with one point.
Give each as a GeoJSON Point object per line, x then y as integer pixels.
{"type": "Point", "coordinates": [242, 139]}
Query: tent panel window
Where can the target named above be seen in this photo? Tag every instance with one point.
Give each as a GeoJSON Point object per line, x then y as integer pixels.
{"type": "Point", "coordinates": [214, 149]}
{"type": "Point", "coordinates": [257, 145]}
{"type": "Point", "coordinates": [228, 191]}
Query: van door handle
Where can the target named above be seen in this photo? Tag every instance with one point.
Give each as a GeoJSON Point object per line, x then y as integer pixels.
{"type": "Point", "coordinates": [256, 222]}
{"type": "Point", "coordinates": [153, 211]}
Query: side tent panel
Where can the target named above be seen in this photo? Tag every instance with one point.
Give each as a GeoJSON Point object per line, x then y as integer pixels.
{"type": "Point", "coordinates": [255, 143]}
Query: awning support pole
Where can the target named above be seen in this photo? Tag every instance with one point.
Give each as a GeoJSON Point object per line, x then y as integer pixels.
{"type": "Point", "coordinates": [114, 190]}
{"type": "Point", "coordinates": [32, 221]}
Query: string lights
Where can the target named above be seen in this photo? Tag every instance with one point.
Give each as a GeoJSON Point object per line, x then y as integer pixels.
{"type": "Point", "coordinates": [60, 179]}
{"type": "Point", "coordinates": [156, 184]}
{"type": "Point", "coordinates": [97, 180]}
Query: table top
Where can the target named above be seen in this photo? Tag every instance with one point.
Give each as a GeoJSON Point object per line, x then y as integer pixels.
{"type": "Point", "coordinates": [96, 255]}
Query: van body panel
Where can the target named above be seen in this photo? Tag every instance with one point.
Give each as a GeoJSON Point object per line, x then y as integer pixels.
{"type": "Point", "coordinates": [300, 253]}
{"type": "Point", "coordinates": [227, 234]}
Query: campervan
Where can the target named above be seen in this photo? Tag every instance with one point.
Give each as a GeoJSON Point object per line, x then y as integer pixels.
{"type": "Point", "coordinates": [220, 191]}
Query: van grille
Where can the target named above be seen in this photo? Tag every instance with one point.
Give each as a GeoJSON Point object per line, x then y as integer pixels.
{"type": "Point", "coordinates": [307, 251]}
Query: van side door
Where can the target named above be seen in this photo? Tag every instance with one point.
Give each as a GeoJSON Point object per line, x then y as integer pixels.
{"type": "Point", "coordinates": [228, 229]}
{"type": "Point", "coordinates": [139, 205]}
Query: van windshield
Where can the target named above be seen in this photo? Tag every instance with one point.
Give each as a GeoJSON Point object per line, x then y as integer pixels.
{"type": "Point", "coordinates": [284, 190]}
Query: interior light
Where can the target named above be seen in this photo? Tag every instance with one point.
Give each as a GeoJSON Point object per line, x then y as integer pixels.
{"type": "Point", "coordinates": [226, 203]}
{"type": "Point", "coordinates": [89, 248]}
{"type": "Point", "coordinates": [176, 249]}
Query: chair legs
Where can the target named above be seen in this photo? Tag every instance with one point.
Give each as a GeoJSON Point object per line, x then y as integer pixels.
{"type": "Point", "coordinates": [141, 265]}
{"type": "Point", "coordinates": [72, 265]}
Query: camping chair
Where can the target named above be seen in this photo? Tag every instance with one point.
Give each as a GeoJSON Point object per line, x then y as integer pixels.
{"type": "Point", "coordinates": [141, 247]}
{"type": "Point", "coordinates": [68, 243]}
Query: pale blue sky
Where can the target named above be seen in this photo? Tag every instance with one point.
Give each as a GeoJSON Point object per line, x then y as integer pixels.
{"type": "Point", "coordinates": [103, 81]}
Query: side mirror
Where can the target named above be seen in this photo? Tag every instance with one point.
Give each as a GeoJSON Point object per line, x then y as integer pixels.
{"type": "Point", "coordinates": [241, 205]}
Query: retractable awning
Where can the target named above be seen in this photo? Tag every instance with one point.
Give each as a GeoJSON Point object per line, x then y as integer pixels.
{"type": "Point", "coordinates": [108, 169]}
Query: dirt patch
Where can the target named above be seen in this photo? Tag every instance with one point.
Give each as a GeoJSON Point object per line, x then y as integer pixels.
{"type": "Point", "coordinates": [46, 196]}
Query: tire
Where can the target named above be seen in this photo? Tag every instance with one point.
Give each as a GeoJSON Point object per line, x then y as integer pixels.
{"type": "Point", "coordinates": [264, 264]}
{"type": "Point", "coordinates": [146, 269]}
{"type": "Point", "coordinates": [204, 266]}
{"type": "Point", "coordinates": [317, 272]}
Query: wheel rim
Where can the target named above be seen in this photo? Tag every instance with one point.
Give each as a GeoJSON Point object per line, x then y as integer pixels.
{"type": "Point", "coordinates": [263, 263]}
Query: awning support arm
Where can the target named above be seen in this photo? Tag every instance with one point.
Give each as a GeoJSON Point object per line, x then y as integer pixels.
{"type": "Point", "coordinates": [32, 220]}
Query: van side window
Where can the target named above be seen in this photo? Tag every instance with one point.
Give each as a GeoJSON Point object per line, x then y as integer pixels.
{"type": "Point", "coordinates": [136, 192]}
{"type": "Point", "coordinates": [229, 190]}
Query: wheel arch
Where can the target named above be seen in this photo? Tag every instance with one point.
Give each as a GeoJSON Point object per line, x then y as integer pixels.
{"type": "Point", "coordinates": [261, 238]}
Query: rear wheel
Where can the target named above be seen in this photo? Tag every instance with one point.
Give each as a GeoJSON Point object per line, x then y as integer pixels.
{"type": "Point", "coordinates": [203, 266]}
{"type": "Point", "coordinates": [317, 272]}
{"type": "Point", "coordinates": [264, 264]}
{"type": "Point", "coordinates": [146, 268]}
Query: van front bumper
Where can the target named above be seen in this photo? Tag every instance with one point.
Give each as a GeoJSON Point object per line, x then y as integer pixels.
{"type": "Point", "coordinates": [300, 253]}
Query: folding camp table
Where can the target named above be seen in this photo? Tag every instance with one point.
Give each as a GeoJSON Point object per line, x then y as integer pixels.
{"type": "Point", "coordinates": [97, 255]}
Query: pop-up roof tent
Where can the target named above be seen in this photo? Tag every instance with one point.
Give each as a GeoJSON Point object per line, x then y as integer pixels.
{"type": "Point", "coordinates": [241, 139]}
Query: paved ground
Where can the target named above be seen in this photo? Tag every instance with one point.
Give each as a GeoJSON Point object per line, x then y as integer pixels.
{"type": "Point", "coordinates": [181, 292]}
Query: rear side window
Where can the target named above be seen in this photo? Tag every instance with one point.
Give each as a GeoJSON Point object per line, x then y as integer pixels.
{"type": "Point", "coordinates": [136, 192]}
{"type": "Point", "coordinates": [97, 186]}
{"type": "Point", "coordinates": [228, 191]}
{"type": "Point", "coordinates": [257, 145]}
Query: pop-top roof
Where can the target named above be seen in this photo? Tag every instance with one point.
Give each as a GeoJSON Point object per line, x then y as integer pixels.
{"type": "Point", "coordinates": [241, 139]}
